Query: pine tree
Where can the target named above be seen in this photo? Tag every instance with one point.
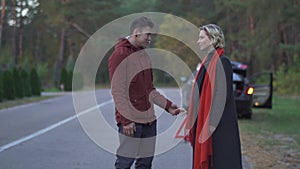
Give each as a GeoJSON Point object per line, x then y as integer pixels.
{"type": "Point", "coordinates": [8, 85]}
{"type": "Point", "coordinates": [69, 81]}
{"type": "Point", "coordinates": [18, 83]}
{"type": "Point", "coordinates": [26, 83]}
{"type": "Point", "coordinates": [1, 88]}
{"type": "Point", "coordinates": [63, 79]}
{"type": "Point", "coordinates": [35, 83]}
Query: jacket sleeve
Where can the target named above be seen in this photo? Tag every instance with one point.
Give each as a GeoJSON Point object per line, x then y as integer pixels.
{"type": "Point", "coordinates": [158, 99]}
{"type": "Point", "coordinates": [117, 66]}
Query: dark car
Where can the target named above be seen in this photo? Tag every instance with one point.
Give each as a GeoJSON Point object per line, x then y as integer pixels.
{"type": "Point", "coordinates": [254, 91]}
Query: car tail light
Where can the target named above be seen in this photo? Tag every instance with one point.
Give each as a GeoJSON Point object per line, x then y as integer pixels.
{"type": "Point", "coordinates": [243, 66]}
{"type": "Point", "coordinates": [250, 90]}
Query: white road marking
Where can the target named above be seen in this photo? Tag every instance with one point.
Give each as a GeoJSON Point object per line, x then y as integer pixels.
{"type": "Point", "coordinates": [47, 129]}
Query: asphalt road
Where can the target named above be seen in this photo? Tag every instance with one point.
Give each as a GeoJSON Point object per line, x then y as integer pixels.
{"type": "Point", "coordinates": [48, 135]}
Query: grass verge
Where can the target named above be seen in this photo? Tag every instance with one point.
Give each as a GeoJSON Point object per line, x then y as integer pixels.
{"type": "Point", "coordinates": [283, 118]}
{"type": "Point", "coordinates": [275, 131]}
{"type": "Point", "coordinates": [17, 102]}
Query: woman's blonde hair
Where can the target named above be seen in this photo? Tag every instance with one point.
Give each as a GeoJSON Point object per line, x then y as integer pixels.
{"type": "Point", "coordinates": [215, 33]}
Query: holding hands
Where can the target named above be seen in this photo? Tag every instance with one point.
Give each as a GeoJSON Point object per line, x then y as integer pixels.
{"type": "Point", "coordinates": [175, 110]}
{"type": "Point", "coordinates": [130, 129]}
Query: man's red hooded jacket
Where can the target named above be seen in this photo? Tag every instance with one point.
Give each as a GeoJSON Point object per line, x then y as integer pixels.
{"type": "Point", "coordinates": [132, 85]}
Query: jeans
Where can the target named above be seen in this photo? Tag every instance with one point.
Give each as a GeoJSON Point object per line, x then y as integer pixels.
{"type": "Point", "coordinates": [139, 148]}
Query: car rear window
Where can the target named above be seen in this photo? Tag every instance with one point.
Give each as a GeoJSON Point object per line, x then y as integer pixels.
{"type": "Point", "coordinates": [237, 78]}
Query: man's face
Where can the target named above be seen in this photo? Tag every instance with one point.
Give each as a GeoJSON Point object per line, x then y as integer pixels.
{"type": "Point", "coordinates": [143, 38]}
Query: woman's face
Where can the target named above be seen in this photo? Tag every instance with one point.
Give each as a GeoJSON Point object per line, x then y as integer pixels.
{"type": "Point", "coordinates": [205, 44]}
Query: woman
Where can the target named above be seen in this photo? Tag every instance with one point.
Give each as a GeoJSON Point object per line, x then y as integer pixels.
{"type": "Point", "coordinates": [212, 126]}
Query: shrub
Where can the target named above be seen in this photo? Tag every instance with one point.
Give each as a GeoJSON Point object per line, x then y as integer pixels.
{"type": "Point", "coordinates": [18, 83]}
{"type": "Point", "coordinates": [63, 78]}
{"type": "Point", "coordinates": [68, 85]}
{"type": "Point", "coordinates": [8, 85]}
{"type": "Point", "coordinates": [26, 83]}
{"type": "Point", "coordinates": [287, 78]}
{"type": "Point", "coordinates": [77, 81]}
{"type": "Point", "coordinates": [35, 83]}
{"type": "Point", "coordinates": [1, 89]}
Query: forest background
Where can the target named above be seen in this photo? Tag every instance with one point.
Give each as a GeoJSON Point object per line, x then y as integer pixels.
{"type": "Point", "coordinates": [47, 35]}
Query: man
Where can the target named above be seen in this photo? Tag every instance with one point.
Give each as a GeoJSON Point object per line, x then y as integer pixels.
{"type": "Point", "coordinates": [134, 96]}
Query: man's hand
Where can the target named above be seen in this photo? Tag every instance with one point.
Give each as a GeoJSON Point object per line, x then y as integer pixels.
{"type": "Point", "coordinates": [129, 129]}
{"type": "Point", "coordinates": [175, 110]}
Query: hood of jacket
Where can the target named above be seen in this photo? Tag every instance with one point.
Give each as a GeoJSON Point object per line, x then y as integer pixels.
{"type": "Point", "coordinates": [124, 42]}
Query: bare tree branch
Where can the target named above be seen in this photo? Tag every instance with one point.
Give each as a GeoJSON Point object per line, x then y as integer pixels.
{"type": "Point", "coordinates": [85, 33]}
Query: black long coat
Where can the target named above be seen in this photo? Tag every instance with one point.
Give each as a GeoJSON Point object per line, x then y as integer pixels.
{"type": "Point", "coordinates": [225, 139]}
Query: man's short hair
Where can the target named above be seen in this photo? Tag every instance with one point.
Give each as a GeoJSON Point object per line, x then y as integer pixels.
{"type": "Point", "coordinates": [141, 23]}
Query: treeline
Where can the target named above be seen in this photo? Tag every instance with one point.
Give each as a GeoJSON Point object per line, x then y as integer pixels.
{"type": "Point", "coordinates": [48, 34]}
{"type": "Point", "coordinates": [18, 83]}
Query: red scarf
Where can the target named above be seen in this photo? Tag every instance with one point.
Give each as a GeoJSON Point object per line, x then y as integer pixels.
{"type": "Point", "coordinates": [203, 141]}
